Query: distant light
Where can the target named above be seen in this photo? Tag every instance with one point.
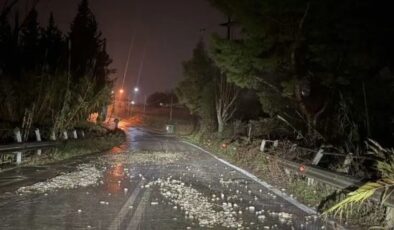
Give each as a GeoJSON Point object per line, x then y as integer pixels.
{"type": "Point", "coordinates": [121, 91]}
{"type": "Point", "coordinates": [112, 92]}
{"type": "Point", "coordinates": [132, 102]}
{"type": "Point", "coordinates": [136, 89]}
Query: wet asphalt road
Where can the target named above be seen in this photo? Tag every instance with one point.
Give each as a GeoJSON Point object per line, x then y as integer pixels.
{"type": "Point", "coordinates": [125, 197]}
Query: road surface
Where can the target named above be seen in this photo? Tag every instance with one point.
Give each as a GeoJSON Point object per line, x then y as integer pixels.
{"type": "Point", "coordinates": [152, 182]}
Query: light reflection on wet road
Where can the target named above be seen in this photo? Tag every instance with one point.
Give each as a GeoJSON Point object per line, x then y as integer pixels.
{"type": "Point", "coordinates": [122, 199]}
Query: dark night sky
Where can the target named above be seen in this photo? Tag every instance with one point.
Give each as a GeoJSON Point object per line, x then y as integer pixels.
{"type": "Point", "coordinates": [168, 29]}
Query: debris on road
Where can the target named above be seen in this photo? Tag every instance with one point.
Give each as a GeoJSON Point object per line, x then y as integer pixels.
{"type": "Point", "coordinates": [197, 206]}
{"type": "Point", "coordinates": [144, 158]}
{"type": "Point", "coordinates": [86, 175]}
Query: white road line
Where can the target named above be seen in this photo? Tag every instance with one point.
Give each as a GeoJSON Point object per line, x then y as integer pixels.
{"type": "Point", "coordinates": [277, 192]}
{"type": "Point", "coordinates": [134, 223]}
{"type": "Point", "coordinates": [115, 224]}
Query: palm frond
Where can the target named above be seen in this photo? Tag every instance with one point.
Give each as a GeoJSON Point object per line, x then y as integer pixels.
{"type": "Point", "coordinates": [386, 183]}
{"type": "Point", "coordinates": [359, 196]}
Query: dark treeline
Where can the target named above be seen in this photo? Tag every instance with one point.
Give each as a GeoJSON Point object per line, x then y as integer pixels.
{"type": "Point", "coordinates": [49, 77]}
{"type": "Point", "coordinates": [324, 68]}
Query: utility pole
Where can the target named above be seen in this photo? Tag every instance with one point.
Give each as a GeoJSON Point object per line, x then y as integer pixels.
{"type": "Point", "coordinates": [228, 25]}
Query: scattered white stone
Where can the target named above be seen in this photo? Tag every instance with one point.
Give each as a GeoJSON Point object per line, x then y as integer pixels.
{"type": "Point", "coordinates": [197, 206]}
{"type": "Point", "coordinates": [85, 175]}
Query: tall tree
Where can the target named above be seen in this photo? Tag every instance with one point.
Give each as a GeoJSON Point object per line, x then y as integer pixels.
{"type": "Point", "coordinates": [53, 43]}
{"type": "Point", "coordinates": [101, 68]}
{"type": "Point", "coordinates": [301, 55]}
{"type": "Point", "coordinates": [197, 89]}
{"type": "Point", "coordinates": [85, 42]}
{"type": "Point", "coordinates": [5, 42]}
{"type": "Point", "coordinates": [205, 90]}
{"type": "Point", "coordinates": [29, 40]}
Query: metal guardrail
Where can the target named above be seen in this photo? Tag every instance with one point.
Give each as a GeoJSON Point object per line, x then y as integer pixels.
{"type": "Point", "coordinates": [28, 146]}
{"type": "Point", "coordinates": [331, 178]}
{"type": "Point", "coordinates": [20, 147]}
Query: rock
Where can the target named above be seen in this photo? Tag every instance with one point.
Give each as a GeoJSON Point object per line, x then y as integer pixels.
{"type": "Point", "coordinates": [197, 206]}
{"type": "Point", "coordinates": [85, 175]}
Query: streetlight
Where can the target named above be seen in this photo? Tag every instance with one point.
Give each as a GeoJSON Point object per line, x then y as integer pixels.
{"type": "Point", "coordinates": [121, 91]}
{"type": "Point", "coordinates": [136, 89]}
{"type": "Point", "coordinates": [132, 102]}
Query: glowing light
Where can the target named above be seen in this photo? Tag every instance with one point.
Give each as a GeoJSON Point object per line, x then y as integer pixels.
{"type": "Point", "coordinates": [302, 168]}
{"type": "Point", "coordinates": [121, 91]}
{"type": "Point", "coordinates": [136, 89]}
{"type": "Point", "coordinates": [132, 102]}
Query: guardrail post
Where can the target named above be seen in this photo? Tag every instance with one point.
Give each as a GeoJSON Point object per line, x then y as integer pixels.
{"type": "Point", "coordinates": [319, 155]}
{"type": "Point", "coordinates": [83, 134]}
{"type": "Point", "coordinates": [249, 132]}
{"type": "Point", "coordinates": [65, 135]}
{"type": "Point", "coordinates": [75, 135]}
{"type": "Point", "coordinates": [18, 138]}
{"type": "Point", "coordinates": [18, 158]}
{"type": "Point", "coordinates": [276, 144]}
{"type": "Point", "coordinates": [262, 146]}
{"type": "Point", "coordinates": [18, 135]}
{"type": "Point", "coordinates": [347, 163]}
{"type": "Point", "coordinates": [53, 136]}
{"type": "Point", "coordinates": [38, 135]}
{"type": "Point", "coordinates": [39, 151]}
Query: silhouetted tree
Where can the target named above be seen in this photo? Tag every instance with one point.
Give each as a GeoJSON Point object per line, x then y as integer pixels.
{"type": "Point", "coordinates": [55, 48]}
{"type": "Point", "coordinates": [309, 58]}
{"type": "Point", "coordinates": [158, 98]}
{"type": "Point", "coordinates": [29, 43]}
{"type": "Point", "coordinates": [85, 42]}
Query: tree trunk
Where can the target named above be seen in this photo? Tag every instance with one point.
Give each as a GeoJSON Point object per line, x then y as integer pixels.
{"type": "Point", "coordinates": [220, 126]}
